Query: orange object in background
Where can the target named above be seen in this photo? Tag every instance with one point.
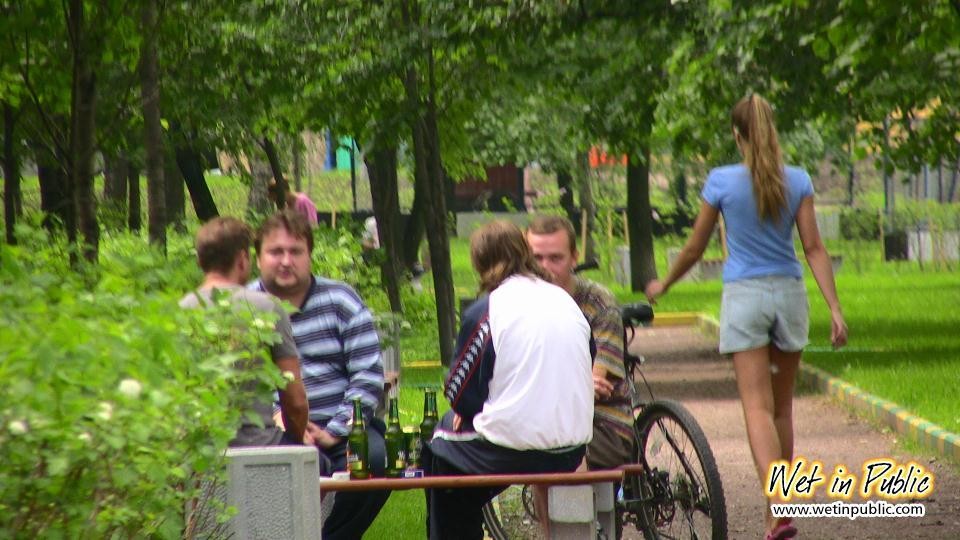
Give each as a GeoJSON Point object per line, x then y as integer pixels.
{"type": "Point", "coordinates": [599, 158]}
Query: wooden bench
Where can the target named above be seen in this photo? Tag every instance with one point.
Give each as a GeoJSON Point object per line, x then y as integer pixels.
{"type": "Point", "coordinates": [578, 501]}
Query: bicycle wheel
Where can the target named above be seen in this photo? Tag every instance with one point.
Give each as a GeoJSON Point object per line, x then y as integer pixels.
{"type": "Point", "coordinates": [511, 515]}
{"type": "Point", "coordinates": [679, 494]}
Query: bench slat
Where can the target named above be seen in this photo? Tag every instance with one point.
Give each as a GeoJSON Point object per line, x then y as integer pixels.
{"type": "Point", "coordinates": [440, 482]}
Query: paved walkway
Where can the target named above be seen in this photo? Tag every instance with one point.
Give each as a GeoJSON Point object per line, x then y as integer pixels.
{"type": "Point", "coordinates": [683, 365]}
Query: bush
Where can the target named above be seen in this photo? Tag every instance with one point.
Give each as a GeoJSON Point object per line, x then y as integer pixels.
{"type": "Point", "coordinates": [117, 404]}
{"type": "Point", "coordinates": [859, 224]}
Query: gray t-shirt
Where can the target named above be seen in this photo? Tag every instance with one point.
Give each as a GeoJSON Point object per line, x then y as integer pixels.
{"type": "Point", "coordinates": [251, 434]}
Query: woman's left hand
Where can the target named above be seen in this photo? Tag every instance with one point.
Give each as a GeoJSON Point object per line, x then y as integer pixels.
{"type": "Point", "coordinates": [838, 329]}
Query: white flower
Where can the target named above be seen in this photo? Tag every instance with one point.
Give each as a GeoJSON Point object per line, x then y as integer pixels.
{"type": "Point", "coordinates": [106, 411]}
{"type": "Point", "coordinates": [17, 427]}
{"type": "Point", "coordinates": [130, 388]}
{"type": "Point", "coordinates": [85, 437]}
{"type": "Point", "coordinates": [288, 375]}
{"type": "Point", "coordinates": [259, 323]}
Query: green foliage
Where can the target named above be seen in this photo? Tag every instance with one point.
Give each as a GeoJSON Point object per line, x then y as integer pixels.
{"type": "Point", "coordinates": [118, 404]}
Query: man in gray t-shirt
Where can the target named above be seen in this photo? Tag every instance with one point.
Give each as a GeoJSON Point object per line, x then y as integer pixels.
{"type": "Point", "coordinates": [223, 253]}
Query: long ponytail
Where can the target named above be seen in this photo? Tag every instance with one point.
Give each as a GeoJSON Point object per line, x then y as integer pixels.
{"type": "Point", "coordinates": [752, 119]}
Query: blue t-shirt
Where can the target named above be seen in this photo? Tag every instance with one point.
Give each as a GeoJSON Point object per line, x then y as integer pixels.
{"type": "Point", "coordinates": [756, 248]}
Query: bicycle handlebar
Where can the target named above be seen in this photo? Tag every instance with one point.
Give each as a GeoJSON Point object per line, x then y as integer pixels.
{"type": "Point", "coordinates": [636, 314]}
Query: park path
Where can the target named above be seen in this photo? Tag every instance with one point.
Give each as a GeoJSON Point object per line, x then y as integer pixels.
{"type": "Point", "coordinates": [683, 365]}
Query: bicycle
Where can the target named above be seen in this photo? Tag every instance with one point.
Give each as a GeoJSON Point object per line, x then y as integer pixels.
{"type": "Point", "coordinates": [675, 493]}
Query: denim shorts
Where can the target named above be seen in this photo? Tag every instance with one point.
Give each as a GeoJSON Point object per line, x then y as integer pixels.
{"type": "Point", "coordinates": [762, 311]}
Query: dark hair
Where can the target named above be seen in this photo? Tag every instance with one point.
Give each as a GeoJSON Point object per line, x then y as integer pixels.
{"type": "Point", "coordinates": [552, 224]}
{"type": "Point", "coordinates": [289, 220]}
{"type": "Point", "coordinates": [219, 241]}
{"type": "Point", "coordinates": [752, 119]}
{"type": "Point", "coordinates": [498, 250]}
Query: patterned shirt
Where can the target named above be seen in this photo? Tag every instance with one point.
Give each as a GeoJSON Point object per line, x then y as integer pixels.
{"type": "Point", "coordinates": [603, 314]}
{"type": "Point", "coordinates": [339, 354]}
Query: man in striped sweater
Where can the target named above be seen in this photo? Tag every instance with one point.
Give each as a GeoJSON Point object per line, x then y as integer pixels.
{"type": "Point", "coordinates": [340, 359]}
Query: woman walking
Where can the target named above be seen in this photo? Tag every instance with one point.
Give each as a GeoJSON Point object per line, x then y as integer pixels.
{"type": "Point", "coordinates": [764, 311]}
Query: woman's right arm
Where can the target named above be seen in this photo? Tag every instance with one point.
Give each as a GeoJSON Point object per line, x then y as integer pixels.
{"type": "Point", "coordinates": [819, 261]}
{"type": "Point", "coordinates": [691, 252]}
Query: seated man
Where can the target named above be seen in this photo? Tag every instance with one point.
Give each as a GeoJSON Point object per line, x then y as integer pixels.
{"type": "Point", "coordinates": [533, 413]}
{"type": "Point", "coordinates": [553, 242]}
{"type": "Point", "coordinates": [223, 253]}
{"type": "Point", "coordinates": [340, 352]}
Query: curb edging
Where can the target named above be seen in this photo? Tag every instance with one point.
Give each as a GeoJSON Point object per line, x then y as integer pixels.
{"type": "Point", "coordinates": [925, 433]}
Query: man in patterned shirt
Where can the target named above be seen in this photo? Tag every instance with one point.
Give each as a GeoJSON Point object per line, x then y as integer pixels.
{"type": "Point", "coordinates": [340, 359]}
{"type": "Point", "coordinates": [553, 242]}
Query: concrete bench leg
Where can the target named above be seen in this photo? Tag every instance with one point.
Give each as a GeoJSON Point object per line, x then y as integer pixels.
{"type": "Point", "coordinates": [606, 509]}
{"type": "Point", "coordinates": [275, 491]}
{"type": "Point", "coordinates": [571, 512]}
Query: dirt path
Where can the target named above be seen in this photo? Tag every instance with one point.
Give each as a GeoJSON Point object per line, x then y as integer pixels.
{"type": "Point", "coordinates": [683, 365]}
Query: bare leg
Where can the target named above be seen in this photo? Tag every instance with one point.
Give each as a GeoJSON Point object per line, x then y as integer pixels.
{"type": "Point", "coordinates": [765, 381]}
{"type": "Point", "coordinates": [540, 502]}
{"type": "Point", "coordinates": [785, 366]}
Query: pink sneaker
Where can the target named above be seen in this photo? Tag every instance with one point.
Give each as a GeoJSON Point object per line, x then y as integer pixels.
{"type": "Point", "coordinates": [784, 531]}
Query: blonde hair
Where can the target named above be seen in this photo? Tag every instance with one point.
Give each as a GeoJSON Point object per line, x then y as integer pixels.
{"type": "Point", "coordinates": [498, 250]}
{"type": "Point", "coordinates": [752, 119]}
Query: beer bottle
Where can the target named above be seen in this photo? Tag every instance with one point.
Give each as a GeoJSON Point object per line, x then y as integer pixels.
{"type": "Point", "coordinates": [357, 446]}
{"type": "Point", "coordinates": [429, 422]}
{"type": "Point", "coordinates": [411, 437]}
{"type": "Point", "coordinates": [395, 443]}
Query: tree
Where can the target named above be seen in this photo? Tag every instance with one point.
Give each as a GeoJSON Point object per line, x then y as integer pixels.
{"type": "Point", "coordinates": [152, 129]}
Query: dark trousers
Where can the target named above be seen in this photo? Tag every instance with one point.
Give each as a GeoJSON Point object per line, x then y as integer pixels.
{"type": "Point", "coordinates": [458, 513]}
{"type": "Point", "coordinates": [353, 512]}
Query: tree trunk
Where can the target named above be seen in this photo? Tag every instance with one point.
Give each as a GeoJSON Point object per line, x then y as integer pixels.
{"type": "Point", "coordinates": [430, 187]}
{"type": "Point", "coordinates": [191, 167]}
{"type": "Point", "coordinates": [297, 155]}
{"type": "Point", "coordinates": [280, 187]}
{"type": "Point", "coordinates": [134, 208]}
{"type": "Point", "coordinates": [643, 266]}
{"type": "Point", "coordinates": [436, 221]}
{"type": "Point", "coordinates": [116, 171]}
{"type": "Point", "coordinates": [413, 232]}
{"type": "Point", "coordinates": [258, 201]}
{"type": "Point", "coordinates": [173, 184]}
{"type": "Point", "coordinates": [82, 133]}
{"type": "Point", "coordinates": [56, 201]}
{"type": "Point", "coordinates": [153, 135]}
{"type": "Point", "coordinates": [588, 211]}
{"type": "Point", "coordinates": [382, 168]}
{"type": "Point", "coordinates": [11, 173]}
{"type": "Point", "coordinates": [429, 182]}
{"type": "Point", "coordinates": [565, 185]}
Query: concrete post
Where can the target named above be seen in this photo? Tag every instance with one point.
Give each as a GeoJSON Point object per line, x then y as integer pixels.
{"type": "Point", "coordinates": [606, 509]}
{"type": "Point", "coordinates": [572, 512]}
{"type": "Point", "coordinates": [276, 492]}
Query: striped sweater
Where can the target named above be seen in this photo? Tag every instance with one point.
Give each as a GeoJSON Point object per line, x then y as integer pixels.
{"type": "Point", "coordinates": [339, 353]}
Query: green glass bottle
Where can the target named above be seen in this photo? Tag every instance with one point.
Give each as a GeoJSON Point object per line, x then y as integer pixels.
{"type": "Point", "coordinates": [357, 447]}
{"type": "Point", "coordinates": [430, 419]}
{"type": "Point", "coordinates": [395, 443]}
